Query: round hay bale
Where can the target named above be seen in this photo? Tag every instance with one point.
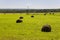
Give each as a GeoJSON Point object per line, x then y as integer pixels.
{"type": "Point", "coordinates": [50, 13]}
{"type": "Point", "coordinates": [32, 16]}
{"type": "Point", "coordinates": [53, 13]}
{"type": "Point", "coordinates": [19, 21]}
{"type": "Point", "coordinates": [21, 17]}
{"type": "Point", "coordinates": [46, 28]}
{"type": "Point", "coordinates": [44, 13]}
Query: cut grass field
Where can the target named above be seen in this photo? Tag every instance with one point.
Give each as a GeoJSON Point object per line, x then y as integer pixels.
{"type": "Point", "coordinates": [30, 28]}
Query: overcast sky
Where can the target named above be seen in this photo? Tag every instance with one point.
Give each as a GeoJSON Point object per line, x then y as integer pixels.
{"type": "Point", "coordinates": [34, 4]}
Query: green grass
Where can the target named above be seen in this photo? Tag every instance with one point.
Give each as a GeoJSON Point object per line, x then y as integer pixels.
{"type": "Point", "coordinates": [30, 28]}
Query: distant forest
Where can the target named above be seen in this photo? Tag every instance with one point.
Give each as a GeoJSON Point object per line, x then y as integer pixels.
{"type": "Point", "coordinates": [28, 10]}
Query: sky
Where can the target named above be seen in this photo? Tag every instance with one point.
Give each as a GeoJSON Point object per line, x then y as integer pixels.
{"type": "Point", "coordinates": [29, 4]}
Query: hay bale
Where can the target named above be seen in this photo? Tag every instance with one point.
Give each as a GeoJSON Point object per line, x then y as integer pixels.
{"type": "Point", "coordinates": [44, 13]}
{"type": "Point", "coordinates": [19, 21]}
{"type": "Point", "coordinates": [32, 16]}
{"type": "Point", "coordinates": [21, 17]}
{"type": "Point", "coordinates": [50, 13]}
{"type": "Point", "coordinates": [46, 28]}
{"type": "Point", "coordinates": [53, 13]}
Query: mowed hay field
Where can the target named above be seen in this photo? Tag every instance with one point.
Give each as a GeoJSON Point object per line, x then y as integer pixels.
{"type": "Point", "coordinates": [30, 28]}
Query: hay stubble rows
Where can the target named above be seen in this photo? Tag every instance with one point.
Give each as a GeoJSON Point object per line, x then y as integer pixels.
{"type": "Point", "coordinates": [30, 29]}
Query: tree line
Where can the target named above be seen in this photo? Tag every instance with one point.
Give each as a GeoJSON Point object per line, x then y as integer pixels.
{"type": "Point", "coordinates": [28, 10]}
